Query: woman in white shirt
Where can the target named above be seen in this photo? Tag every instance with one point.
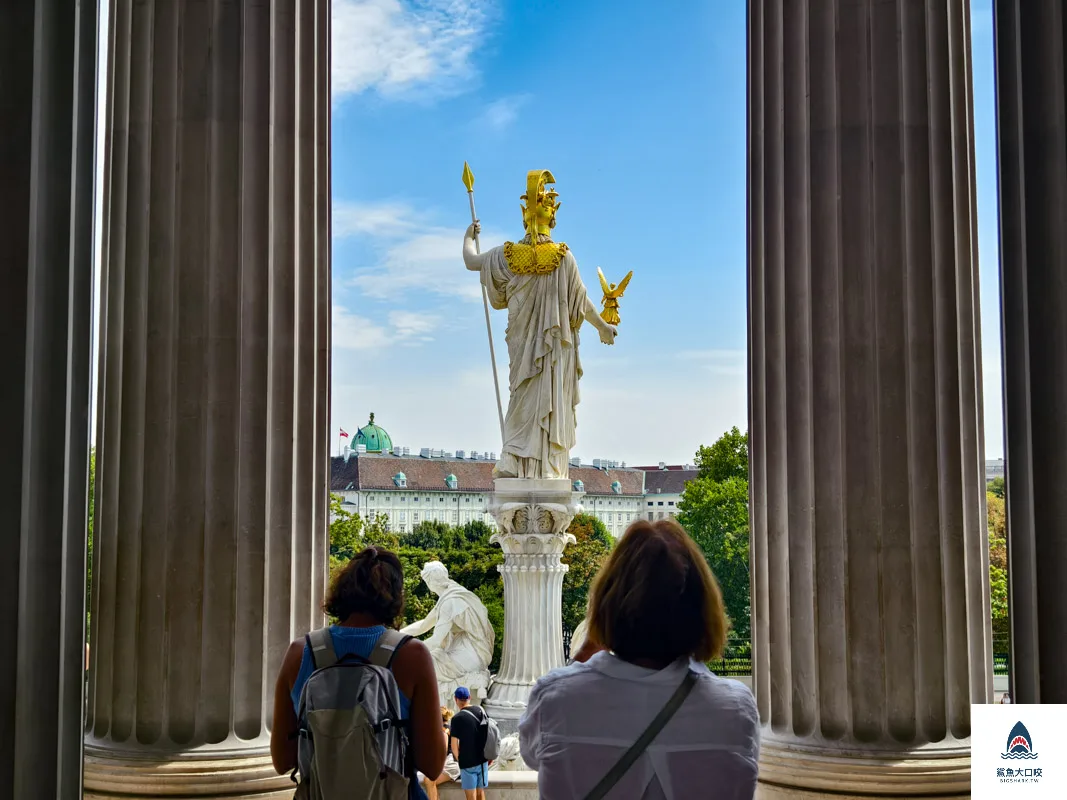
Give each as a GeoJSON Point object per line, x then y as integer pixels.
{"type": "Point", "coordinates": [655, 616]}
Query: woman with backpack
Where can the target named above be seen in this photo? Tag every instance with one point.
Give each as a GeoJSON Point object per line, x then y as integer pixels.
{"type": "Point", "coordinates": [366, 597]}
{"type": "Point", "coordinates": [640, 716]}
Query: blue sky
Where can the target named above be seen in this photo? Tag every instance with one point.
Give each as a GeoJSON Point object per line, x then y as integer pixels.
{"type": "Point", "coordinates": [639, 110]}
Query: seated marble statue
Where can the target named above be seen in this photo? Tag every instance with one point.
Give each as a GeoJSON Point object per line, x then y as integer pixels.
{"type": "Point", "coordinates": [462, 639]}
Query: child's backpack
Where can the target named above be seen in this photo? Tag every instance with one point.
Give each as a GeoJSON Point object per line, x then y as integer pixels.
{"type": "Point", "coordinates": [352, 740]}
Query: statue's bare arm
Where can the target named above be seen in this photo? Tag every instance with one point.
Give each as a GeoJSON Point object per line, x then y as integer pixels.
{"type": "Point", "coordinates": [423, 625]}
{"type": "Point", "coordinates": [471, 258]}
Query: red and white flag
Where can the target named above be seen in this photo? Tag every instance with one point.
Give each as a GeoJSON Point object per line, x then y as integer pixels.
{"type": "Point", "coordinates": [344, 433]}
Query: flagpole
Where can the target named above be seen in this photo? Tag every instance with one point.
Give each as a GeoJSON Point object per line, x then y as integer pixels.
{"type": "Point", "coordinates": [468, 181]}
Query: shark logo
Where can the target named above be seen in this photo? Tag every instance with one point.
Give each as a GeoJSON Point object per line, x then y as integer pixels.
{"type": "Point", "coordinates": [1020, 745]}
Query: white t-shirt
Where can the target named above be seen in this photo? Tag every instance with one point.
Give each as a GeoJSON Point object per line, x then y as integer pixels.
{"type": "Point", "coordinates": [582, 718]}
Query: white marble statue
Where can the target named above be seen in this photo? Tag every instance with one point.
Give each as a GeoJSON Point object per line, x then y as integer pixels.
{"type": "Point", "coordinates": [462, 639]}
{"type": "Point", "coordinates": [509, 759]}
{"type": "Point", "coordinates": [537, 281]}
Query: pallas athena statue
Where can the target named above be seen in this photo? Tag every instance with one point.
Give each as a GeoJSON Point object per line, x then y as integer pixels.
{"type": "Point", "coordinates": [537, 281]}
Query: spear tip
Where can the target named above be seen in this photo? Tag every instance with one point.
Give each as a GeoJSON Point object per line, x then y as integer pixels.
{"type": "Point", "coordinates": [468, 177]}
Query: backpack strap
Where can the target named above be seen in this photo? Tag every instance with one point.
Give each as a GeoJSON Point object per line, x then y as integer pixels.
{"type": "Point", "coordinates": [608, 782]}
{"type": "Point", "coordinates": [322, 652]}
{"type": "Point", "coordinates": [386, 649]}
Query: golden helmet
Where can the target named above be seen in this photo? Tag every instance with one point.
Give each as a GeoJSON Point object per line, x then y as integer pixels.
{"type": "Point", "coordinates": [539, 213]}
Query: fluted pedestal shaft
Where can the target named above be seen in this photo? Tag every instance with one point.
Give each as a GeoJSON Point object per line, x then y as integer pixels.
{"type": "Point", "coordinates": [47, 102]}
{"type": "Point", "coordinates": [870, 576]}
{"type": "Point", "coordinates": [533, 516]}
{"type": "Point", "coordinates": [210, 549]}
{"type": "Point", "coordinates": [1032, 132]}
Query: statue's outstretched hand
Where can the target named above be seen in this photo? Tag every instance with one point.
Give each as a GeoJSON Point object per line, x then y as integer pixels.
{"type": "Point", "coordinates": [608, 333]}
{"type": "Point", "coordinates": [474, 229]}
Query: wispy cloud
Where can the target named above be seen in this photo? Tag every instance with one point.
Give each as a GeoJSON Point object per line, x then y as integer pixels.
{"type": "Point", "coordinates": [717, 361]}
{"type": "Point", "coordinates": [353, 332]}
{"type": "Point", "coordinates": [411, 257]}
{"type": "Point", "coordinates": [414, 325]}
{"type": "Point", "coordinates": [374, 219]}
{"type": "Point", "coordinates": [500, 114]}
{"type": "Point", "coordinates": [397, 46]}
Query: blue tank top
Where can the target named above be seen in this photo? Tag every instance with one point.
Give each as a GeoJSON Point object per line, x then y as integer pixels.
{"type": "Point", "coordinates": [346, 642]}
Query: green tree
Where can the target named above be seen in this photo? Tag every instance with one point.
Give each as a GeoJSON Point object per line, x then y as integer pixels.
{"type": "Point", "coordinates": [714, 510]}
{"type": "Point", "coordinates": [727, 458]}
{"type": "Point", "coordinates": [996, 487]}
{"type": "Point", "coordinates": [998, 571]}
{"type": "Point", "coordinates": [584, 559]}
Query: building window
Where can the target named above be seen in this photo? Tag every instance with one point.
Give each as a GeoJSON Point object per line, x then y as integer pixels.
{"type": "Point", "coordinates": [670, 502]}
{"type": "Point", "coordinates": [651, 514]}
{"type": "Point", "coordinates": [650, 502]}
{"type": "Point", "coordinates": [415, 516]}
{"type": "Point", "coordinates": [414, 499]}
{"type": "Point", "coordinates": [466, 499]}
{"type": "Point", "coordinates": [440, 499]}
{"type": "Point", "coordinates": [403, 515]}
{"type": "Point", "coordinates": [455, 516]}
{"type": "Point", "coordinates": [660, 502]}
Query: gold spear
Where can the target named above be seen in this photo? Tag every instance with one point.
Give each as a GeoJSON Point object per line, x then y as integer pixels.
{"type": "Point", "coordinates": [468, 181]}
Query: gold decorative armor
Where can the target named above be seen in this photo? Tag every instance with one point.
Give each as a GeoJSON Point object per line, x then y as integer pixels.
{"type": "Point", "coordinates": [539, 259]}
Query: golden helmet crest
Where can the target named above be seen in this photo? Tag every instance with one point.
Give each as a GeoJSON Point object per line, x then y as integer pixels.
{"type": "Point", "coordinates": [539, 213]}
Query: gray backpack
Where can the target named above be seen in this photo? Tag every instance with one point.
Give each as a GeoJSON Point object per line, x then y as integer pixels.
{"type": "Point", "coordinates": [488, 733]}
{"type": "Point", "coordinates": [352, 740]}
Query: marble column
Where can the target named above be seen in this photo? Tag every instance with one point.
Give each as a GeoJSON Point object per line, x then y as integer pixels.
{"type": "Point", "coordinates": [532, 517]}
{"type": "Point", "coordinates": [870, 561]}
{"type": "Point", "coordinates": [47, 102]}
{"type": "Point", "coordinates": [1032, 143]}
{"type": "Point", "coordinates": [210, 551]}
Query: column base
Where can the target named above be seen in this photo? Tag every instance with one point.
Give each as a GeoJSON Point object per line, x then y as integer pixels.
{"type": "Point", "coordinates": [242, 776]}
{"type": "Point", "coordinates": [798, 770]}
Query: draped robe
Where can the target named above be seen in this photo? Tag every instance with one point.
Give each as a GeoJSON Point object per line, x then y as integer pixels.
{"type": "Point", "coordinates": [544, 315]}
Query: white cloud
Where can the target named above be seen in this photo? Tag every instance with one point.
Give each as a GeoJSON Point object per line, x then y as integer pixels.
{"type": "Point", "coordinates": [414, 325]}
{"type": "Point", "coordinates": [353, 332]}
{"type": "Point", "coordinates": [717, 361]}
{"type": "Point", "coordinates": [413, 257]}
{"type": "Point", "coordinates": [373, 219]}
{"type": "Point", "coordinates": [396, 46]}
{"type": "Point", "coordinates": [499, 114]}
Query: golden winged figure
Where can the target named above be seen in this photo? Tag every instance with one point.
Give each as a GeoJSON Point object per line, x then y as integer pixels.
{"type": "Point", "coordinates": [612, 294]}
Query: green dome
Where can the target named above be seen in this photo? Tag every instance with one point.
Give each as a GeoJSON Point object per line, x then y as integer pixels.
{"type": "Point", "coordinates": [374, 438]}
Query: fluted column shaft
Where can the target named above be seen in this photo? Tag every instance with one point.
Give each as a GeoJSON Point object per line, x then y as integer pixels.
{"type": "Point", "coordinates": [870, 576]}
{"type": "Point", "coordinates": [47, 104]}
{"type": "Point", "coordinates": [1032, 144]}
{"type": "Point", "coordinates": [211, 521]}
{"type": "Point", "coordinates": [532, 517]}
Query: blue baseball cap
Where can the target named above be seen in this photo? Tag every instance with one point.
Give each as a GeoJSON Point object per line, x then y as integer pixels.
{"type": "Point", "coordinates": [463, 693]}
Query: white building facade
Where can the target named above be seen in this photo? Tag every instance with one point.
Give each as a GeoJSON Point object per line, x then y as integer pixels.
{"type": "Point", "coordinates": [454, 489]}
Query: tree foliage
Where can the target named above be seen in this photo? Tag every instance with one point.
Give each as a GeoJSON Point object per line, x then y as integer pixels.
{"type": "Point", "coordinates": [998, 569]}
{"type": "Point", "coordinates": [584, 559]}
{"type": "Point", "coordinates": [714, 510]}
{"type": "Point", "coordinates": [471, 560]}
{"type": "Point", "coordinates": [996, 487]}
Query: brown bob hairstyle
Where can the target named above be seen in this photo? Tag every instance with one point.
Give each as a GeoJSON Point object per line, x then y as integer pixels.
{"type": "Point", "coordinates": [656, 599]}
{"type": "Point", "coordinates": [372, 583]}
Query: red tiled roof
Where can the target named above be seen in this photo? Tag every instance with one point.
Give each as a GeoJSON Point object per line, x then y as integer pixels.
{"type": "Point", "coordinates": [368, 471]}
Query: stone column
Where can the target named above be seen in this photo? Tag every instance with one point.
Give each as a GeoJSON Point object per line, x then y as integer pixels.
{"type": "Point", "coordinates": [1031, 103]}
{"type": "Point", "coordinates": [869, 554]}
{"type": "Point", "coordinates": [532, 517]}
{"type": "Point", "coordinates": [47, 104]}
{"type": "Point", "coordinates": [210, 551]}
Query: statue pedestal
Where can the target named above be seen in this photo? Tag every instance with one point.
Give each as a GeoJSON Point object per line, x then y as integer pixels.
{"type": "Point", "coordinates": [532, 516]}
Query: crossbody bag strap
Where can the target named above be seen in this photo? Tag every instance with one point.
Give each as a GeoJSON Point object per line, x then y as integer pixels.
{"type": "Point", "coordinates": [607, 783]}
{"type": "Point", "coordinates": [322, 652]}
